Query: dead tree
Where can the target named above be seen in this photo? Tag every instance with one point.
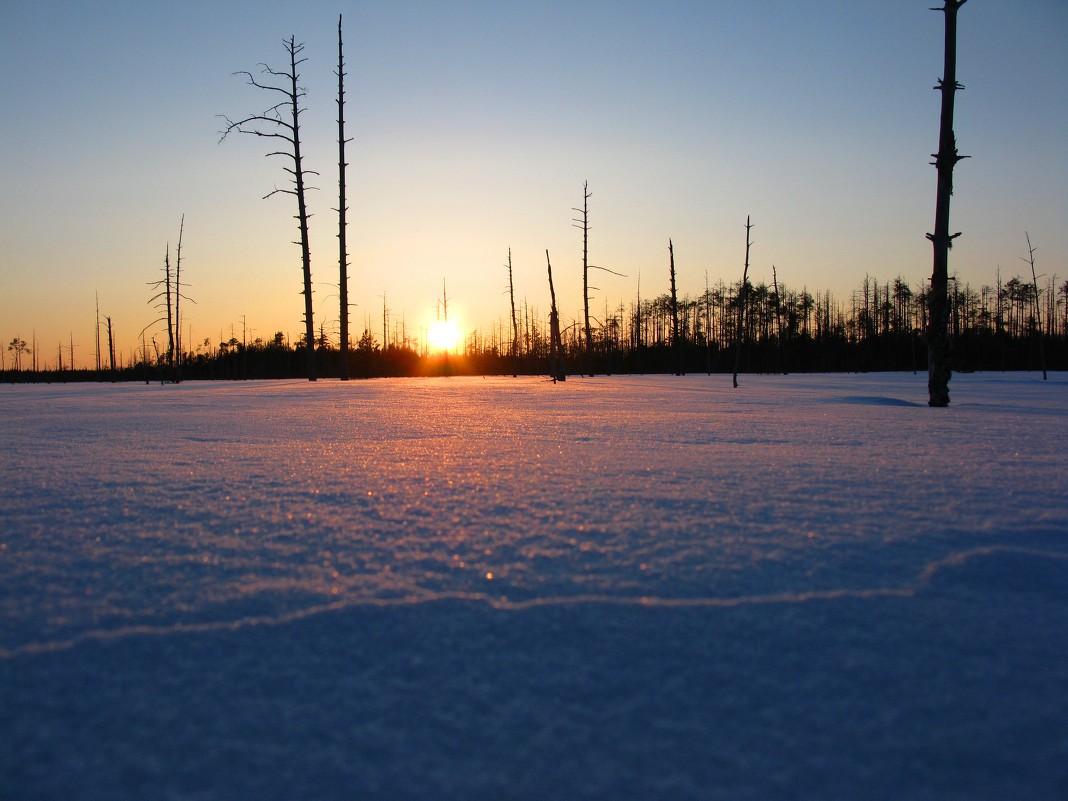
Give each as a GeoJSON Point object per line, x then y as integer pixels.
{"type": "Point", "coordinates": [939, 369]}
{"type": "Point", "coordinates": [342, 208]}
{"type": "Point", "coordinates": [176, 356]}
{"type": "Point", "coordinates": [778, 319]}
{"type": "Point", "coordinates": [584, 225]}
{"type": "Point", "coordinates": [1038, 311]}
{"type": "Point", "coordinates": [556, 348]}
{"type": "Point", "coordinates": [743, 302]}
{"type": "Point", "coordinates": [168, 300]}
{"type": "Point", "coordinates": [98, 331]}
{"type": "Point", "coordinates": [168, 304]}
{"type": "Point", "coordinates": [111, 348]}
{"type": "Point", "coordinates": [515, 324]}
{"type": "Point", "coordinates": [676, 348]}
{"type": "Point", "coordinates": [282, 121]}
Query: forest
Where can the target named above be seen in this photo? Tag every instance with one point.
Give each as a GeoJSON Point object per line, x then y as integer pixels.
{"type": "Point", "coordinates": [1015, 324]}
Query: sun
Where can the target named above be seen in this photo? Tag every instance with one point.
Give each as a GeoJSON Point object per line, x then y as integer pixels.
{"type": "Point", "coordinates": [444, 335]}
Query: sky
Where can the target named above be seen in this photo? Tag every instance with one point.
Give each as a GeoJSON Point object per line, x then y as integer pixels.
{"type": "Point", "coordinates": [474, 126]}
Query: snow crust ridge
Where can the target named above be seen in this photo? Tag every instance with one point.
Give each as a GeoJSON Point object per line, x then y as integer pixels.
{"type": "Point", "coordinates": [926, 577]}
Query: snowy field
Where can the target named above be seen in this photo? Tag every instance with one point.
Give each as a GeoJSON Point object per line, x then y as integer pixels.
{"type": "Point", "coordinates": [811, 587]}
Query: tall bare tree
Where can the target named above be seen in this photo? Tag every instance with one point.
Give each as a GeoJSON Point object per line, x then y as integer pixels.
{"type": "Point", "coordinates": [743, 302]}
{"type": "Point", "coordinates": [583, 223]}
{"type": "Point", "coordinates": [282, 121]}
{"type": "Point", "coordinates": [176, 356]}
{"type": "Point", "coordinates": [556, 347]}
{"type": "Point", "coordinates": [939, 369]}
{"type": "Point", "coordinates": [515, 324]}
{"type": "Point", "coordinates": [342, 208]}
{"type": "Point", "coordinates": [676, 346]}
{"type": "Point", "coordinates": [1038, 311]}
{"type": "Point", "coordinates": [98, 331]}
{"type": "Point", "coordinates": [778, 319]}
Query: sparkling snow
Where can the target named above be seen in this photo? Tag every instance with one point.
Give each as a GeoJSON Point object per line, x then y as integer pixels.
{"type": "Point", "coordinates": [467, 588]}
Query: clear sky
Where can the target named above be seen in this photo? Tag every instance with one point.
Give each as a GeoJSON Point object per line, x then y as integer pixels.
{"type": "Point", "coordinates": [474, 125]}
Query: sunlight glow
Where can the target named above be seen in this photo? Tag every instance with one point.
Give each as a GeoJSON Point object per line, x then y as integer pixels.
{"type": "Point", "coordinates": [444, 335]}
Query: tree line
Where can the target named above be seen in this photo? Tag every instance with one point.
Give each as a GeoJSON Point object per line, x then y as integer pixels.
{"type": "Point", "coordinates": [1013, 324]}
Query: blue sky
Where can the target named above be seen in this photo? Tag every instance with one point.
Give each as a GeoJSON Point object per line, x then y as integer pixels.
{"type": "Point", "coordinates": [474, 127]}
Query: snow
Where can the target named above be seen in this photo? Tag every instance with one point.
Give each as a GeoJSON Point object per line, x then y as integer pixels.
{"type": "Point", "coordinates": [813, 586]}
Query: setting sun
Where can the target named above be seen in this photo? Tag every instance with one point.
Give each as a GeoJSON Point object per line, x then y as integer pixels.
{"type": "Point", "coordinates": [444, 335]}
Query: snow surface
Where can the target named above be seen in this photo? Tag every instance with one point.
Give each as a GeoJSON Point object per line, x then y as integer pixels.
{"type": "Point", "coordinates": [811, 587]}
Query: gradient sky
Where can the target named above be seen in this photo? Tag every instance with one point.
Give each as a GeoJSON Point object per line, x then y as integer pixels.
{"type": "Point", "coordinates": [474, 127]}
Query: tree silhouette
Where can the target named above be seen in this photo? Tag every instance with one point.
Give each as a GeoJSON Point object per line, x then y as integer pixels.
{"type": "Point", "coordinates": [676, 345]}
{"type": "Point", "coordinates": [18, 346]}
{"type": "Point", "coordinates": [742, 302]}
{"type": "Point", "coordinates": [342, 208]}
{"type": "Point", "coordinates": [583, 224]}
{"type": "Point", "coordinates": [556, 347]}
{"type": "Point", "coordinates": [939, 369]}
{"type": "Point", "coordinates": [515, 324]}
{"type": "Point", "coordinates": [282, 121]}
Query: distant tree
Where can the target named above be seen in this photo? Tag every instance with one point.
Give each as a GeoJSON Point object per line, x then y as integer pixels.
{"type": "Point", "coordinates": [676, 347]}
{"type": "Point", "coordinates": [778, 319]}
{"type": "Point", "coordinates": [939, 369]}
{"type": "Point", "coordinates": [178, 297]}
{"type": "Point", "coordinates": [168, 302]}
{"type": "Point", "coordinates": [98, 332]}
{"type": "Point", "coordinates": [342, 208]}
{"type": "Point", "coordinates": [742, 302]}
{"type": "Point", "coordinates": [282, 121]}
{"type": "Point", "coordinates": [111, 347]}
{"type": "Point", "coordinates": [165, 303]}
{"type": "Point", "coordinates": [515, 324]}
{"type": "Point", "coordinates": [556, 348]}
{"type": "Point", "coordinates": [583, 223]}
{"type": "Point", "coordinates": [18, 347]}
{"type": "Point", "coordinates": [1037, 318]}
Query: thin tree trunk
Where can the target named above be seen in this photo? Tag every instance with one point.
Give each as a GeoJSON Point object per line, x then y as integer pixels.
{"type": "Point", "coordinates": [170, 311]}
{"type": "Point", "coordinates": [778, 318]}
{"type": "Point", "coordinates": [515, 325]}
{"type": "Point", "coordinates": [176, 346]}
{"type": "Point", "coordinates": [584, 225]}
{"type": "Point", "coordinates": [1037, 315]}
{"type": "Point", "coordinates": [556, 347]}
{"type": "Point", "coordinates": [111, 349]}
{"type": "Point", "coordinates": [98, 332]}
{"type": "Point", "coordinates": [675, 347]}
{"type": "Point", "coordinates": [342, 208]}
{"type": "Point", "coordinates": [939, 369]}
{"type": "Point", "coordinates": [302, 213]}
{"type": "Point", "coordinates": [742, 303]}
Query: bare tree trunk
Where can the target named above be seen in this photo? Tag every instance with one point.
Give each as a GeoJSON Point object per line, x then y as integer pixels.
{"type": "Point", "coordinates": [778, 318]}
{"type": "Point", "coordinates": [515, 325]}
{"type": "Point", "coordinates": [272, 124]}
{"type": "Point", "coordinates": [584, 225]}
{"type": "Point", "coordinates": [1037, 317]}
{"type": "Point", "coordinates": [342, 208]}
{"type": "Point", "coordinates": [111, 349]}
{"type": "Point", "coordinates": [170, 310]}
{"type": "Point", "coordinates": [302, 209]}
{"type": "Point", "coordinates": [742, 303]}
{"type": "Point", "coordinates": [939, 369]}
{"type": "Point", "coordinates": [176, 342]}
{"type": "Point", "coordinates": [98, 332]}
{"type": "Point", "coordinates": [675, 347]}
{"type": "Point", "coordinates": [556, 356]}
